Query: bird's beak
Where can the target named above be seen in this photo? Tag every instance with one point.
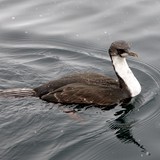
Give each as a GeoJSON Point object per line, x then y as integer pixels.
{"type": "Point", "coordinates": [132, 54]}
{"type": "Point", "coordinates": [127, 53]}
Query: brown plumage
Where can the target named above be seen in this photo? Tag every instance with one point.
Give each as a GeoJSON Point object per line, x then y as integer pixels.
{"type": "Point", "coordinates": [84, 88]}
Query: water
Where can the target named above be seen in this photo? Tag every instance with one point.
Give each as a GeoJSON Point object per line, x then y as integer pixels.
{"type": "Point", "coordinates": [44, 40]}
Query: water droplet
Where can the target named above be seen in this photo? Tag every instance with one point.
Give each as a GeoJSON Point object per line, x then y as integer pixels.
{"type": "Point", "coordinates": [13, 18]}
{"type": "Point", "coordinates": [147, 153]}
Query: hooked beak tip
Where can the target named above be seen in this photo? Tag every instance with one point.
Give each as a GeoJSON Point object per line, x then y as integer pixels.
{"type": "Point", "coordinates": [132, 54]}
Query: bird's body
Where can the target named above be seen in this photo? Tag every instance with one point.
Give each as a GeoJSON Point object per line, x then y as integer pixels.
{"type": "Point", "coordinates": [94, 88]}
{"type": "Point", "coordinates": [83, 88]}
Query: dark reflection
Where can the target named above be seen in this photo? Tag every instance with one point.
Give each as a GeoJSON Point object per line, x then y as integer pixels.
{"type": "Point", "coordinates": [121, 125]}
{"type": "Point", "coordinates": [124, 128]}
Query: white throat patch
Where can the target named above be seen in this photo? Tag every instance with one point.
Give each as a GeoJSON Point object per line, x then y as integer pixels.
{"type": "Point", "coordinates": [126, 74]}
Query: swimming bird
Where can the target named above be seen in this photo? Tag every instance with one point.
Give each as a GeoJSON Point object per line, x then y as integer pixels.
{"type": "Point", "coordinates": [91, 88]}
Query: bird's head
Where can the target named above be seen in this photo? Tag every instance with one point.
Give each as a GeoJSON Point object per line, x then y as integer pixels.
{"type": "Point", "coordinates": [121, 48]}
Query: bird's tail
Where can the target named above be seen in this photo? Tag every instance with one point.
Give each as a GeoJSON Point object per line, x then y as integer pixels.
{"type": "Point", "coordinates": [17, 92]}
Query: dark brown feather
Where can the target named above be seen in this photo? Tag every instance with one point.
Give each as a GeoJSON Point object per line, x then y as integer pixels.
{"type": "Point", "coordinates": [86, 94]}
{"type": "Point", "coordinates": [83, 88]}
{"type": "Point", "coordinates": [83, 78]}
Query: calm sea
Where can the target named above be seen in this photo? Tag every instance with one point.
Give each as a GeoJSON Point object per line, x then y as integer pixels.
{"type": "Point", "coordinates": [42, 40]}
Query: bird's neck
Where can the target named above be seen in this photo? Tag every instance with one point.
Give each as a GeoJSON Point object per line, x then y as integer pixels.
{"type": "Point", "coordinates": [126, 77]}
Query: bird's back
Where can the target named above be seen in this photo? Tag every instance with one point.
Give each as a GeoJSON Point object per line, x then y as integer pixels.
{"type": "Point", "coordinates": [81, 78]}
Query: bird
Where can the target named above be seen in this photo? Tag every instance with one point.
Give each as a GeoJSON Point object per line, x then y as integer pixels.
{"type": "Point", "coordinates": [90, 88]}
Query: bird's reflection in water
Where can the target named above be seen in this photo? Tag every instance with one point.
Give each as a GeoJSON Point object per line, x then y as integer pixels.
{"type": "Point", "coordinates": [121, 125]}
{"type": "Point", "coordinates": [124, 128]}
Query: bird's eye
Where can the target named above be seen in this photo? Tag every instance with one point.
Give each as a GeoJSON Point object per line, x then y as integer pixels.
{"type": "Point", "coordinates": [121, 51]}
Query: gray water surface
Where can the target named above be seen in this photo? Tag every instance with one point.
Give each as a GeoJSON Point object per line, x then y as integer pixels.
{"type": "Point", "coordinates": [42, 40]}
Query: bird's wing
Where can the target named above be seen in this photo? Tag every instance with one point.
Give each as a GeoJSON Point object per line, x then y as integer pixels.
{"type": "Point", "coordinates": [83, 78]}
{"type": "Point", "coordinates": [83, 94]}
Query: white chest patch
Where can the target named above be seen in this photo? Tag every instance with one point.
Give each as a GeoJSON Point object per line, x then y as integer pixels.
{"type": "Point", "coordinates": [127, 75]}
